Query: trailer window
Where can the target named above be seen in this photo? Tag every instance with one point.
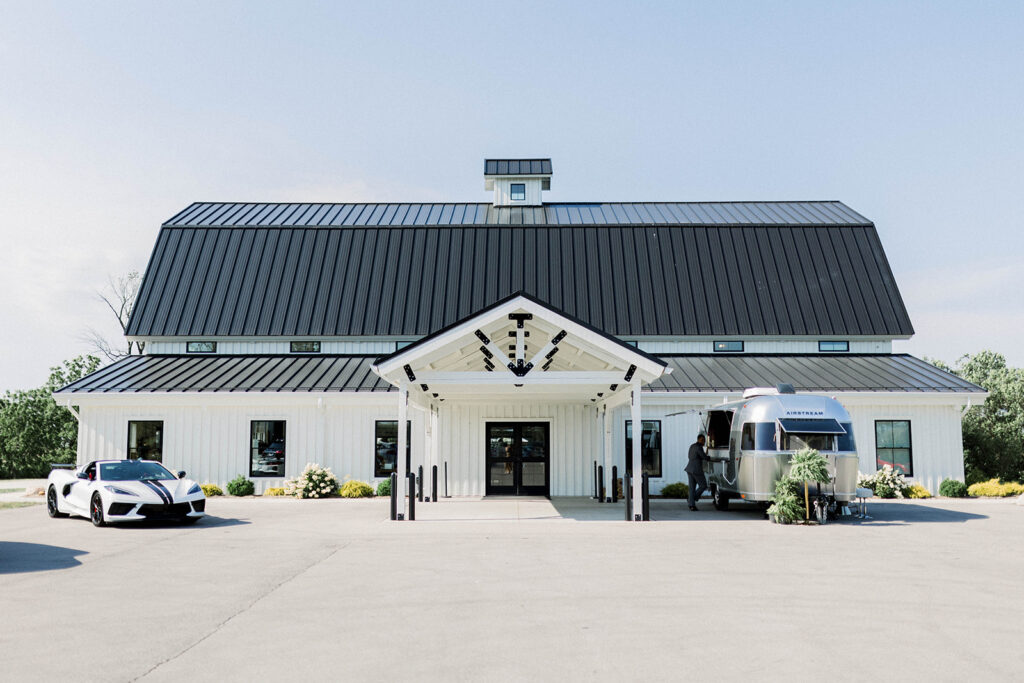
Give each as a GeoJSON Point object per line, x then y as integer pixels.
{"type": "Point", "coordinates": [845, 441]}
{"type": "Point", "coordinates": [758, 436]}
{"type": "Point", "coordinates": [719, 424]}
{"type": "Point", "coordinates": [798, 442]}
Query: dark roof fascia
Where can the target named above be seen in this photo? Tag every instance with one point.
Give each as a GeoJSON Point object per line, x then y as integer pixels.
{"type": "Point", "coordinates": [502, 302]}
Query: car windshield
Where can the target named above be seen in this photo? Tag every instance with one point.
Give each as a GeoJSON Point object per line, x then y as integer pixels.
{"type": "Point", "coordinates": [133, 470]}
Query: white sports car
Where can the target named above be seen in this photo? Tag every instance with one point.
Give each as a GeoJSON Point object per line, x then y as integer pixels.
{"type": "Point", "coordinates": [109, 491]}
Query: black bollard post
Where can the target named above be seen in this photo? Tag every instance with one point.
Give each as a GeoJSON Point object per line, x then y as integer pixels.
{"type": "Point", "coordinates": [645, 496]}
{"type": "Point", "coordinates": [594, 483]}
{"type": "Point", "coordinates": [433, 483]}
{"type": "Point", "coordinates": [626, 485]}
{"type": "Point", "coordinates": [446, 479]}
{"type": "Point", "coordinates": [394, 496]}
{"type": "Point", "coordinates": [615, 483]}
{"type": "Point", "coordinates": [419, 477]}
{"type": "Point", "coordinates": [600, 483]}
{"type": "Point", "coordinates": [412, 496]}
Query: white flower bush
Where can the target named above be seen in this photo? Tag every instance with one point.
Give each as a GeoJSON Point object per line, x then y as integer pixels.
{"type": "Point", "coordinates": [886, 482]}
{"type": "Point", "coordinates": [315, 481]}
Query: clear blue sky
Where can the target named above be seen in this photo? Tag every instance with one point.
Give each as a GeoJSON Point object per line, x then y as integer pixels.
{"type": "Point", "coordinates": [113, 116]}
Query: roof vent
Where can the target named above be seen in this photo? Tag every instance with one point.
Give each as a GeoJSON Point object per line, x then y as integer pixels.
{"type": "Point", "coordinates": [517, 182]}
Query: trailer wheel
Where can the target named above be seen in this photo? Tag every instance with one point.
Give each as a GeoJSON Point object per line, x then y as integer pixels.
{"type": "Point", "coordinates": [720, 498]}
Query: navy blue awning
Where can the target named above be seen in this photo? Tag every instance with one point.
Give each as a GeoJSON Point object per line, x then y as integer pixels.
{"type": "Point", "coordinates": [826, 426]}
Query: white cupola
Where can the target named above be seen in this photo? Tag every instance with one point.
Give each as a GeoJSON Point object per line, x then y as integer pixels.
{"type": "Point", "coordinates": [517, 182]}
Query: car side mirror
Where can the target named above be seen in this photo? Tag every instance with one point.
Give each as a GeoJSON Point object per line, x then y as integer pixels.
{"type": "Point", "coordinates": [181, 474]}
{"type": "Point", "coordinates": [82, 475]}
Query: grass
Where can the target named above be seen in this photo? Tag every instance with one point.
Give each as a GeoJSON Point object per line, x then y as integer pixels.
{"type": "Point", "coordinates": [16, 504]}
{"type": "Point", "coordinates": [11, 490]}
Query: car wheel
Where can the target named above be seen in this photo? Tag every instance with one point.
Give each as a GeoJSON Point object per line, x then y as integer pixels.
{"type": "Point", "coordinates": [96, 510]}
{"type": "Point", "coordinates": [51, 503]}
{"type": "Point", "coordinates": [720, 499]}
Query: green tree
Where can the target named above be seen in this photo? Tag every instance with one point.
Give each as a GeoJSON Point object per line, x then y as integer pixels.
{"type": "Point", "coordinates": [34, 430]}
{"type": "Point", "coordinates": [994, 431]}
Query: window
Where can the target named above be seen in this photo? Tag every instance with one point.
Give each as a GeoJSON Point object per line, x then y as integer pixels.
{"type": "Point", "coordinates": [728, 346]}
{"type": "Point", "coordinates": [385, 447]}
{"type": "Point", "coordinates": [305, 347]}
{"type": "Point", "coordinates": [201, 347]}
{"type": "Point", "coordinates": [650, 447]}
{"type": "Point", "coordinates": [758, 436]}
{"type": "Point", "coordinates": [892, 446]}
{"type": "Point", "coordinates": [399, 345]}
{"type": "Point", "coordinates": [517, 191]}
{"type": "Point", "coordinates": [833, 346]}
{"type": "Point", "coordinates": [266, 443]}
{"type": "Point", "coordinates": [845, 442]}
{"type": "Point", "coordinates": [145, 440]}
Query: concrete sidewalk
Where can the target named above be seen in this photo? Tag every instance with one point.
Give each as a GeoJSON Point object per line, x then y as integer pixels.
{"type": "Point", "coordinates": [282, 589]}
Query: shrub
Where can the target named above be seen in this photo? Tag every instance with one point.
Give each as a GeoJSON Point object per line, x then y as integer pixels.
{"type": "Point", "coordinates": [384, 488]}
{"type": "Point", "coordinates": [240, 486]}
{"type": "Point", "coordinates": [994, 488]}
{"type": "Point", "coordinates": [676, 490]}
{"type": "Point", "coordinates": [211, 490]}
{"type": "Point", "coordinates": [316, 481]}
{"type": "Point", "coordinates": [885, 483]}
{"type": "Point", "coordinates": [951, 488]}
{"type": "Point", "coordinates": [274, 491]}
{"type": "Point", "coordinates": [917, 491]}
{"type": "Point", "coordinates": [786, 506]}
{"type": "Point", "coordinates": [354, 488]}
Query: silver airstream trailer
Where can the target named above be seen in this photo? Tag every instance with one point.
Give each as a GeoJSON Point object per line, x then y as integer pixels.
{"type": "Point", "coordinates": [750, 442]}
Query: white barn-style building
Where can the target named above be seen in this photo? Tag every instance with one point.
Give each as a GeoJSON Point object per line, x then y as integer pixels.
{"type": "Point", "coordinates": [521, 340]}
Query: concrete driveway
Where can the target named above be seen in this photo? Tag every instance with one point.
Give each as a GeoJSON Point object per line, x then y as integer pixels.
{"type": "Point", "coordinates": [280, 589]}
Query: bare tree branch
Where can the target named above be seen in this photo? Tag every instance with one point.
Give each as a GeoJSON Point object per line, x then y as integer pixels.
{"type": "Point", "coordinates": [119, 296]}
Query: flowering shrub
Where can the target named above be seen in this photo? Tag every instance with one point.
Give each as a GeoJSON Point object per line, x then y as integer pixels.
{"type": "Point", "coordinates": [315, 481]}
{"type": "Point", "coordinates": [886, 483]}
{"type": "Point", "coordinates": [240, 486]}
{"type": "Point", "coordinates": [211, 490]}
{"type": "Point", "coordinates": [274, 491]}
{"type": "Point", "coordinates": [356, 489]}
{"type": "Point", "coordinates": [917, 491]}
{"type": "Point", "coordinates": [952, 488]}
{"type": "Point", "coordinates": [993, 487]}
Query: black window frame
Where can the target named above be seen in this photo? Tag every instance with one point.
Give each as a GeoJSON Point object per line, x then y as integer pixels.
{"type": "Point", "coordinates": [845, 346]}
{"type": "Point", "coordinates": [190, 344]}
{"type": "Point", "coordinates": [160, 441]}
{"type": "Point", "coordinates": [629, 448]}
{"type": "Point", "coordinates": [726, 345]}
{"type": "Point", "coordinates": [262, 447]}
{"type": "Point", "coordinates": [909, 448]}
{"type": "Point", "coordinates": [512, 192]}
{"type": "Point", "coordinates": [315, 347]}
{"type": "Point", "coordinates": [377, 471]}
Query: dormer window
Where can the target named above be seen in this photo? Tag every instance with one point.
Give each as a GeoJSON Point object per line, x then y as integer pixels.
{"type": "Point", "coordinates": [517, 192]}
{"type": "Point", "coordinates": [305, 347]}
{"type": "Point", "coordinates": [201, 347]}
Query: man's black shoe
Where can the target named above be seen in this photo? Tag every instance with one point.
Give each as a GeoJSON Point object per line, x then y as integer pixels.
{"type": "Point", "coordinates": [693, 508]}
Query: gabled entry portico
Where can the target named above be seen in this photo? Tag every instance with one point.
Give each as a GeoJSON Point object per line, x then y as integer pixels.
{"type": "Point", "coordinates": [520, 356]}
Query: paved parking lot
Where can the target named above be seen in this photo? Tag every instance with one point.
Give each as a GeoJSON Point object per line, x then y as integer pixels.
{"type": "Point", "coordinates": [280, 589]}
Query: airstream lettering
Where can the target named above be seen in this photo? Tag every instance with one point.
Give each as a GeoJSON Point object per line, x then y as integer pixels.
{"type": "Point", "coordinates": [750, 443]}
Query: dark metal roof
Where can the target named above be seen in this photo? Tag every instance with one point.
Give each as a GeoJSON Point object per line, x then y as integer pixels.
{"type": "Point", "coordinates": [517, 166]}
{"type": "Point", "coordinates": [666, 280]}
{"type": "Point", "coordinates": [138, 374]}
{"type": "Point", "coordinates": [235, 214]}
{"type": "Point", "coordinates": [846, 372]}
{"type": "Point", "coordinates": [249, 373]}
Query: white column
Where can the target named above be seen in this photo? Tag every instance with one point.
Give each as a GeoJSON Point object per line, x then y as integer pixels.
{"type": "Point", "coordinates": [638, 432]}
{"type": "Point", "coordinates": [403, 411]}
{"type": "Point", "coordinates": [609, 482]}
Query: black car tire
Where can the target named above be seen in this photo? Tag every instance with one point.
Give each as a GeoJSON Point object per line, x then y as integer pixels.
{"type": "Point", "coordinates": [720, 498]}
{"type": "Point", "coordinates": [51, 503]}
{"type": "Point", "coordinates": [96, 510]}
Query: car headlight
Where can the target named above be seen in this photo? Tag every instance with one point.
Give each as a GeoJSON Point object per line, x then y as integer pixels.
{"type": "Point", "coordinates": [195, 489]}
{"type": "Point", "coordinates": [119, 491]}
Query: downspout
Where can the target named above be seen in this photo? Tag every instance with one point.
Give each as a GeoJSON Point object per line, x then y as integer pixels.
{"type": "Point", "coordinates": [963, 411]}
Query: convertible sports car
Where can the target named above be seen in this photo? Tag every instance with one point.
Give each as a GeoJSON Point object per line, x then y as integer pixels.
{"type": "Point", "coordinates": [109, 491]}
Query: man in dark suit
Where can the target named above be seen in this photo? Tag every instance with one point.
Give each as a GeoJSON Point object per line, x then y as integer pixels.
{"type": "Point", "coordinates": [695, 471]}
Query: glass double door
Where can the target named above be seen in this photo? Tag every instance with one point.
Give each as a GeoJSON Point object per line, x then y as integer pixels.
{"type": "Point", "coordinates": [518, 459]}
